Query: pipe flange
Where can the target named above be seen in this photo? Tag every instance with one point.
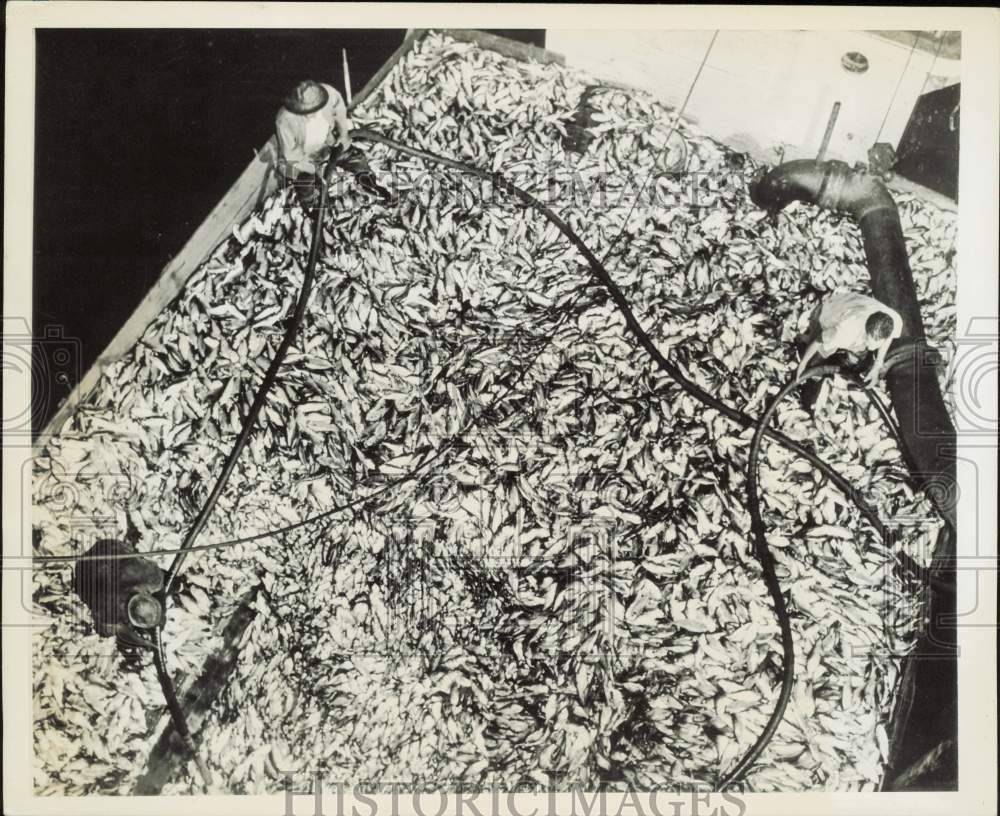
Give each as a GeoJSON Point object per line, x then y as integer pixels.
{"type": "Point", "coordinates": [853, 191]}
{"type": "Point", "coordinates": [837, 178]}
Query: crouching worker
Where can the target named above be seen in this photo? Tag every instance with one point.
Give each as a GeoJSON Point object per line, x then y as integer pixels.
{"type": "Point", "coordinates": [857, 324]}
{"type": "Point", "coordinates": [311, 125]}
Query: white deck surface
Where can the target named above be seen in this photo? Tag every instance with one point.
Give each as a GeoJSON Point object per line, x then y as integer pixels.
{"type": "Point", "coordinates": [761, 91]}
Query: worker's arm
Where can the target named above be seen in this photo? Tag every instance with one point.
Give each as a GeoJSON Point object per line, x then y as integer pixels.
{"type": "Point", "coordinates": [340, 124]}
{"type": "Point", "coordinates": [291, 155]}
{"type": "Point", "coordinates": [343, 127]}
{"type": "Point", "coordinates": [875, 374]}
{"type": "Point", "coordinates": [876, 370]}
{"type": "Point", "coordinates": [293, 158]}
{"type": "Point", "coordinates": [810, 352]}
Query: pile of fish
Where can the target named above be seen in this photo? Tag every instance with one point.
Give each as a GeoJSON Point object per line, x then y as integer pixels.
{"type": "Point", "coordinates": [544, 576]}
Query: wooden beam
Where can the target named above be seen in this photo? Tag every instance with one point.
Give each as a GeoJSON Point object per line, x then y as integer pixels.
{"type": "Point", "coordinates": [168, 756]}
{"type": "Point", "coordinates": [198, 693]}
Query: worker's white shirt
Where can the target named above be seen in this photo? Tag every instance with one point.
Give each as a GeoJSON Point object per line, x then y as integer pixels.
{"type": "Point", "coordinates": [302, 136]}
{"type": "Point", "coordinates": [842, 318]}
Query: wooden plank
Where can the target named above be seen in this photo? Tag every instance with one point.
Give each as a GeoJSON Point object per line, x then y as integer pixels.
{"type": "Point", "coordinates": [235, 205]}
{"type": "Point", "coordinates": [198, 693]}
{"type": "Point", "coordinates": [253, 185]}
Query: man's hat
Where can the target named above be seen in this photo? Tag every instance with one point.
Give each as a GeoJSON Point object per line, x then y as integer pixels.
{"type": "Point", "coordinates": [307, 97]}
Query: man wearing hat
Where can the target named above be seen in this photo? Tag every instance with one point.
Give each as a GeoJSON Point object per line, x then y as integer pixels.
{"type": "Point", "coordinates": [311, 123]}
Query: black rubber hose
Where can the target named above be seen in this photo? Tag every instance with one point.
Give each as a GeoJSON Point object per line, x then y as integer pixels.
{"type": "Point", "coordinates": [176, 712]}
{"type": "Point", "coordinates": [258, 403]}
{"type": "Point", "coordinates": [766, 560]}
{"type": "Point", "coordinates": [880, 406]}
{"type": "Point", "coordinates": [601, 273]}
{"type": "Point", "coordinates": [763, 554]}
{"type": "Point", "coordinates": [435, 451]}
{"type": "Point", "coordinates": [761, 429]}
{"type": "Point", "coordinates": [166, 682]}
{"type": "Point", "coordinates": [928, 440]}
{"type": "Point", "coordinates": [926, 428]}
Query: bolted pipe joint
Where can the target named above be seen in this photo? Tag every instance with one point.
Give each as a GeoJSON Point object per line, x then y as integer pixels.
{"type": "Point", "coordinates": [832, 184]}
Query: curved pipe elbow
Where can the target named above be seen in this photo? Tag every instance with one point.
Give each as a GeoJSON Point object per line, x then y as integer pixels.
{"type": "Point", "coordinates": [833, 185]}
{"type": "Point", "coordinates": [830, 184]}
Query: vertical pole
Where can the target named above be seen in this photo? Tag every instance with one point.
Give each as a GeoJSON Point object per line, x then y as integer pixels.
{"type": "Point", "coordinates": [347, 76]}
{"type": "Point", "coordinates": [831, 122]}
